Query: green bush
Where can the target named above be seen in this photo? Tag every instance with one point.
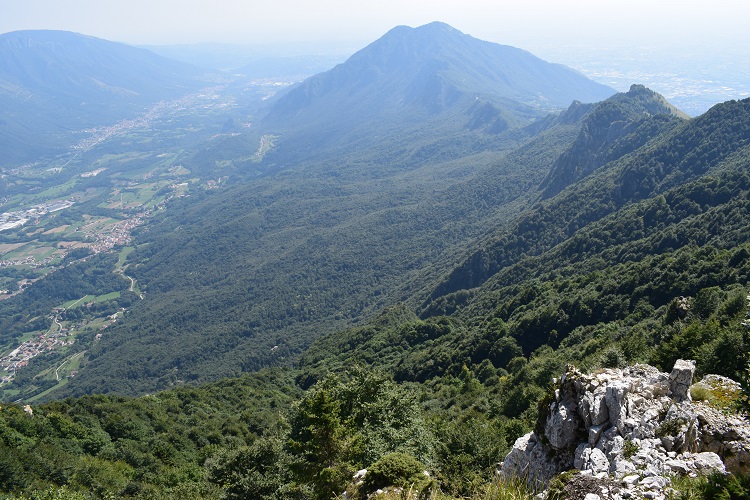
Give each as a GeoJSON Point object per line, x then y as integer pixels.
{"type": "Point", "coordinates": [700, 392]}
{"type": "Point", "coordinates": [394, 469]}
{"type": "Point", "coordinates": [613, 358]}
{"type": "Point", "coordinates": [715, 486]}
{"type": "Point", "coordinates": [630, 449]}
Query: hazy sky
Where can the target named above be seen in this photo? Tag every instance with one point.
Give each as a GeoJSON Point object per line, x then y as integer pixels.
{"type": "Point", "coordinates": [524, 23]}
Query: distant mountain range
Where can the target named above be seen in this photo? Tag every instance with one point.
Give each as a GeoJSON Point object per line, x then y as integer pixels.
{"type": "Point", "coordinates": [55, 83]}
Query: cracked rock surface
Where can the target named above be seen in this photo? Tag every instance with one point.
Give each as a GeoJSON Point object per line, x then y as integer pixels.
{"type": "Point", "coordinates": [636, 426]}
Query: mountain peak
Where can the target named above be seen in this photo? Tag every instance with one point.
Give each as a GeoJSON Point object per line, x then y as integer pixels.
{"type": "Point", "coordinates": [601, 128]}
{"type": "Point", "coordinates": [429, 69]}
{"type": "Point", "coordinates": [435, 27]}
{"type": "Point", "coordinates": [652, 102]}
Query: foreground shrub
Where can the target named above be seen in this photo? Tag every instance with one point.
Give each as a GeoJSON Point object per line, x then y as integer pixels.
{"type": "Point", "coordinates": [394, 469]}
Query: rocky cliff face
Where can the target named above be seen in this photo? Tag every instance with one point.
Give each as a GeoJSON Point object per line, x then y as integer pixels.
{"type": "Point", "coordinates": [597, 143]}
{"type": "Point", "coordinates": [632, 429]}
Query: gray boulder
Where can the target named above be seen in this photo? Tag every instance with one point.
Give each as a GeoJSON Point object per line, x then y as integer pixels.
{"type": "Point", "coordinates": [635, 420]}
{"type": "Point", "coordinates": [681, 379]}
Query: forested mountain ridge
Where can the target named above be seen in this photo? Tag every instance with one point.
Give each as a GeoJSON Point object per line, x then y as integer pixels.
{"type": "Point", "coordinates": [62, 65]}
{"type": "Point", "coordinates": [662, 152]}
{"type": "Point", "coordinates": [584, 259]}
{"type": "Point", "coordinates": [597, 142]}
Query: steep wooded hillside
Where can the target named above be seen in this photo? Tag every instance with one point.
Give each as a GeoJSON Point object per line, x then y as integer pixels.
{"type": "Point", "coordinates": [653, 279]}
{"type": "Point", "coordinates": [332, 231]}
{"type": "Point", "coordinates": [650, 278]}
{"type": "Point", "coordinates": [673, 152]}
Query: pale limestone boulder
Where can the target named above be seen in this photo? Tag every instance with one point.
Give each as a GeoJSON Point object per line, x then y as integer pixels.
{"type": "Point", "coordinates": [562, 425]}
{"type": "Point", "coordinates": [679, 430]}
{"type": "Point", "coordinates": [595, 432]}
{"type": "Point", "coordinates": [594, 408]}
{"type": "Point", "coordinates": [621, 467]}
{"type": "Point", "coordinates": [678, 466]}
{"type": "Point", "coordinates": [681, 379]}
{"type": "Point", "coordinates": [529, 459]}
{"type": "Point", "coordinates": [616, 422]}
{"type": "Point", "coordinates": [707, 462]}
{"type": "Point", "coordinates": [615, 400]}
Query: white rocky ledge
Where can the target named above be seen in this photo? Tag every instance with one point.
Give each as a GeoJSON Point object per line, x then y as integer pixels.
{"type": "Point", "coordinates": [636, 426]}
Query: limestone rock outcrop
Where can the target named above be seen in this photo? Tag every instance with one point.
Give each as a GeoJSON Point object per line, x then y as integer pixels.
{"type": "Point", "coordinates": [635, 425]}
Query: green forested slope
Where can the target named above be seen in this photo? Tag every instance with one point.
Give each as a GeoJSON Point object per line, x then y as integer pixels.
{"type": "Point", "coordinates": [248, 277]}
{"type": "Point", "coordinates": [657, 277]}
{"type": "Point", "coordinates": [279, 261]}
{"type": "Point", "coordinates": [653, 281]}
{"type": "Point", "coordinates": [683, 151]}
{"type": "Point", "coordinates": [614, 282]}
{"type": "Point", "coordinates": [152, 447]}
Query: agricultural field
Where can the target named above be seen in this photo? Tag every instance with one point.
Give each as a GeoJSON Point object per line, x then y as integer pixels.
{"type": "Point", "coordinates": [107, 184]}
{"type": "Point", "coordinates": [62, 212]}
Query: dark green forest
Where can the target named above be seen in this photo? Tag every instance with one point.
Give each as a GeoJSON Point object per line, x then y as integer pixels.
{"type": "Point", "coordinates": [398, 396]}
{"type": "Point", "coordinates": [227, 292]}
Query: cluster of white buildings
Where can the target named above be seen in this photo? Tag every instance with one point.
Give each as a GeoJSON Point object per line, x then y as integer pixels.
{"type": "Point", "coordinates": [117, 235]}
{"type": "Point", "coordinates": [21, 355]}
{"type": "Point", "coordinates": [10, 220]}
